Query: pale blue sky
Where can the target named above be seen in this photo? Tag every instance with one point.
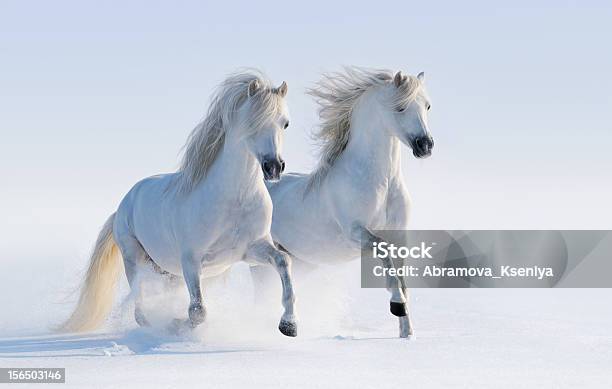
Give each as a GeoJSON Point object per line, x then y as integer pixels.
{"type": "Point", "coordinates": [96, 95]}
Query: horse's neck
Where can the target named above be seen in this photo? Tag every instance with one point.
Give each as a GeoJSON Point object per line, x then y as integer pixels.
{"type": "Point", "coordinates": [237, 168]}
{"type": "Point", "coordinates": [239, 165]}
{"type": "Point", "coordinates": [369, 143]}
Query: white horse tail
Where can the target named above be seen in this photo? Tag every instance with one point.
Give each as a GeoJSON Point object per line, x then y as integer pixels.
{"type": "Point", "coordinates": [98, 290]}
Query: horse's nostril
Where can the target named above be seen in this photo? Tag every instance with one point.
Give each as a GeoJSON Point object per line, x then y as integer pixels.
{"type": "Point", "coordinates": [266, 165]}
{"type": "Point", "coordinates": [424, 143]}
{"type": "Point", "coordinates": [282, 165]}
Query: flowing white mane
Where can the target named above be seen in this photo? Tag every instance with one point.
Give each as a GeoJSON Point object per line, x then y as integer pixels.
{"type": "Point", "coordinates": [207, 138]}
{"type": "Point", "coordinates": [336, 95]}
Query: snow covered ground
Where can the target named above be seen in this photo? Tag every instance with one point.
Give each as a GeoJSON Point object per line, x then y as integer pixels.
{"type": "Point", "coordinates": [464, 338]}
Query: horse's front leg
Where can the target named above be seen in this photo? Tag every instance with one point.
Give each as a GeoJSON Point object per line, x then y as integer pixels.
{"type": "Point", "coordinates": [264, 252]}
{"type": "Point", "coordinates": [405, 324]}
{"type": "Point", "coordinates": [398, 303]}
{"type": "Point", "coordinates": [192, 271]}
{"type": "Point", "coordinates": [398, 205]}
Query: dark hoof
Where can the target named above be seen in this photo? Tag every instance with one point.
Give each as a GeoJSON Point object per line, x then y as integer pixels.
{"type": "Point", "coordinates": [288, 328]}
{"type": "Point", "coordinates": [398, 309]}
{"type": "Point", "coordinates": [197, 314]}
{"type": "Point", "coordinates": [140, 318]}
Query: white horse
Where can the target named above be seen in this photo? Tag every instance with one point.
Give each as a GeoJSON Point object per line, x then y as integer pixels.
{"type": "Point", "coordinates": [212, 213]}
{"type": "Point", "coordinates": [358, 186]}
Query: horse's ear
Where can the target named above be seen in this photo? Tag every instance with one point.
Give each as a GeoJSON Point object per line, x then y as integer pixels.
{"type": "Point", "coordinates": [282, 89]}
{"type": "Point", "coordinates": [253, 87]}
{"type": "Point", "coordinates": [398, 79]}
{"type": "Point", "coordinates": [421, 76]}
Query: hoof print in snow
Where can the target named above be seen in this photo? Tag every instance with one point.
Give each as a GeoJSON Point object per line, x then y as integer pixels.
{"type": "Point", "coordinates": [398, 309]}
{"type": "Point", "coordinates": [288, 328]}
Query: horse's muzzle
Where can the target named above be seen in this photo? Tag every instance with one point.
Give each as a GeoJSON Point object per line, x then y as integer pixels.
{"type": "Point", "coordinates": [422, 146]}
{"type": "Point", "coordinates": [272, 167]}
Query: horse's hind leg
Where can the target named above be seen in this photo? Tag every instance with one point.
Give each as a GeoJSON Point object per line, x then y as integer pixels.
{"type": "Point", "coordinates": [134, 256]}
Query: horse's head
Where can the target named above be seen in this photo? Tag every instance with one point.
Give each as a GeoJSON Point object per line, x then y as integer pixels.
{"type": "Point", "coordinates": [266, 108]}
{"type": "Point", "coordinates": [407, 110]}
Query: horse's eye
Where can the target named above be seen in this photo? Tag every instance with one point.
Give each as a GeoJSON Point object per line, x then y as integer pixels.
{"type": "Point", "coordinates": [400, 109]}
{"type": "Point", "coordinates": [428, 107]}
{"type": "Point", "coordinates": [286, 125]}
